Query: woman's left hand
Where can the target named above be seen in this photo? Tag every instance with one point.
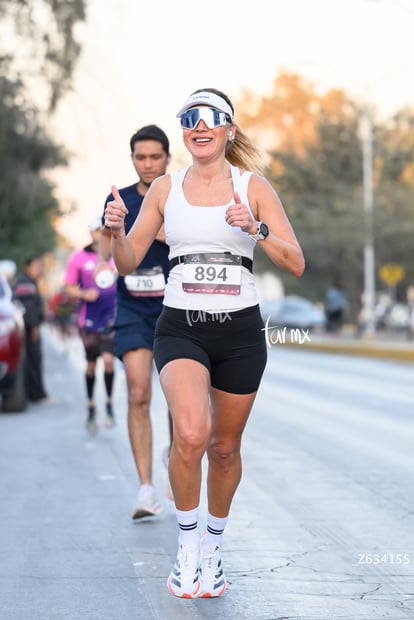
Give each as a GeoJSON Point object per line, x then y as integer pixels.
{"type": "Point", "coordinates": [239, 215]}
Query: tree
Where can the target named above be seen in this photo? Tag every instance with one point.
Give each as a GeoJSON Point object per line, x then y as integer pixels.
{"type": "Point", "coordinates": [27, 204]}
{"type": "Point", "coordinates": [395, 192]}
{"type": "Point", "coordinates": [315, 163]}
{"type": "Point", "coordinates": [37, 47]}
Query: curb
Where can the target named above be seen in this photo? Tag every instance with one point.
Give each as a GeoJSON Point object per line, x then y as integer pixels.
{"type": "Point", "coordinates": [374, 351]}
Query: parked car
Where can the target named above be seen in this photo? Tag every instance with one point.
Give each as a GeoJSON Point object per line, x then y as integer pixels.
{"type": "Point", "coordinates": [293, 312]}
{"type": "Point", "coordinates": [12, 350]}
{"type": "Point", "coordinates": [393, 316]}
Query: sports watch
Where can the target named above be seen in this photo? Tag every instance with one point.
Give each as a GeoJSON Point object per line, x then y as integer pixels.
{"type": "Point", "coordinates": [262, 232]}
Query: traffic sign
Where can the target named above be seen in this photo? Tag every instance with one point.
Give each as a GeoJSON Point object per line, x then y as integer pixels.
{"type": "Point", "coordinates": [392, 274]}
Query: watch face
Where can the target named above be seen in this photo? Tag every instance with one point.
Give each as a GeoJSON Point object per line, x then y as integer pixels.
{"type": "Point", "coordinates": [263, 229]}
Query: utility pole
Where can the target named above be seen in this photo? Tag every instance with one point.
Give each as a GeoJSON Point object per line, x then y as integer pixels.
{"type": "Point", "coordinates": [369, 252]}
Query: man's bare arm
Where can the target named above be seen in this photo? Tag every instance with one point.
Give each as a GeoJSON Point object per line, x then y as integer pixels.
{"type": "Point", "coordinates": [104, 246]}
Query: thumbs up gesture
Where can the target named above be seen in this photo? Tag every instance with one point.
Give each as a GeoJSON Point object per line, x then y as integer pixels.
{"type": "Point", "coordinates": [238, 214]}
{"type": "Point", "coordinates": [115, 212]}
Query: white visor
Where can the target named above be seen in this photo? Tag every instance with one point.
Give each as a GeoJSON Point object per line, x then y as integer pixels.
{"type": "Point", "coordinates": [206, 98]}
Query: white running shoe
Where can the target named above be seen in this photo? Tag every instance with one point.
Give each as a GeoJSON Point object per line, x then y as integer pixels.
{"type": "Point", "coordinates": [147, 504]}
{"type": "Point", "coordinates": [213, 580]}
{"type": "Point", "coordinates": [184, 579]}
{"type": "Point", "coordinates": [167, 485]}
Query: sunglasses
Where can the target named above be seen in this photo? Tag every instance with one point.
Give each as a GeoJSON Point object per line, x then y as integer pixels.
{"type": "Point", "coordinates": [212, 118]}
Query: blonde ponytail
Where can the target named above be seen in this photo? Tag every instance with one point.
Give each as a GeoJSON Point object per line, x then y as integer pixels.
{"type": "Point", "coordinates": [241, 152]}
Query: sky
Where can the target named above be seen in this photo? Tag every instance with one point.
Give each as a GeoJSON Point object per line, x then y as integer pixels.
{"type": "Point", "coordinates": [140, 60]}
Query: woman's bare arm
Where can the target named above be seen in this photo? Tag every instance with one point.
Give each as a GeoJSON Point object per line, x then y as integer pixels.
{"type": "Point", "coordinates": [129, 250]}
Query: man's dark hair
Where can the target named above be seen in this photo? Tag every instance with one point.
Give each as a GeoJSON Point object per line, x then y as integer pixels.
{"type": "Point", "coordinates": [150, 132]}
{"type": "Point", "coordinates": [31, 259]}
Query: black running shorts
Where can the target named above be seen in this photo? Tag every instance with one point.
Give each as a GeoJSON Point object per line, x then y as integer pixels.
{"type": "Point", "coordinates": [96, 343]}
{"type": "Point", "coordinates": [230, 344]}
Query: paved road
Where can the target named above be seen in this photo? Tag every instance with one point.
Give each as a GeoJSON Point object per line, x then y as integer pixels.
{"type": "Point", "coordinates": [321, 526]}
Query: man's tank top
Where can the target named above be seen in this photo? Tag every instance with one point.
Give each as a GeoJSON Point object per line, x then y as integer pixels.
{"type": "Point", "coordinates": [200, 231]}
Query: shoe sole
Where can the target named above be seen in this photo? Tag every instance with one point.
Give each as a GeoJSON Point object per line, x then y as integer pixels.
{"type": "Point", "coordinates": [144, 512]}
{"type": "Point", "coordinates": [213, 595]}
{"type": "Point", "coordinates": [184, 594]}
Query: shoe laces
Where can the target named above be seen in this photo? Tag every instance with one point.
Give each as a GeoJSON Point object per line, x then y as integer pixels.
{"type": "Point", "coordinates": [188, 557]}
{"type": "Point", "coordinates": [211, 558]}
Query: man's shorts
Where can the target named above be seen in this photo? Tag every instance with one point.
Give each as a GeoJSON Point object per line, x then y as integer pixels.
{"type": "Point", "coordinates": [96, 343]}
{"type": "Point", "coordinates": [133, 331]}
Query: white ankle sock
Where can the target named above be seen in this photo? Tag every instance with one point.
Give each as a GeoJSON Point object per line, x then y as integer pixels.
{"type": "Point", "coordinates": [188, 524]}
{"type": "Point", "coordinates": [215, 529]}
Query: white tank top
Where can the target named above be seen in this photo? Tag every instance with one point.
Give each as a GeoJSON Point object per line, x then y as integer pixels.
{"type": "Point", "coordinates": [203, 230]}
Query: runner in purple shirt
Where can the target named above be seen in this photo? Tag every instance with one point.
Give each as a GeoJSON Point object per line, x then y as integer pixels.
{"type": "Point", "coordinates": [95, 320]}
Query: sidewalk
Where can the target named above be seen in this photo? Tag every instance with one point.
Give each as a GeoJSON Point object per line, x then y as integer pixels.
{"type": "Point", "coordinates": [382, 345]}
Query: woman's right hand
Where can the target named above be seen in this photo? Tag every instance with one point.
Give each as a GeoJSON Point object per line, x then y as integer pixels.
{"type": "Point", "coordinates": [115, 212]}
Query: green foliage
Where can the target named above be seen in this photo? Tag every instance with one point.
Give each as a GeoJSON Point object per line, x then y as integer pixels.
{"type": "Point", "coordinates": [315, 164]}
{"type": "Point", "coordinates": [41, 42]}
{"type": "Point", "coordinates": [38, 51]}
{"type": "Point", "coordinates": [323, 199]}
{"type": "Point", "coordinates": [394, 194]}
{"type": "Point", "coordinates": [27, 204]}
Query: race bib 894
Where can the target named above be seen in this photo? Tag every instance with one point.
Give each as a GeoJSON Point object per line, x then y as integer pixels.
{"type": "Point", "coordinates": [213, 272]}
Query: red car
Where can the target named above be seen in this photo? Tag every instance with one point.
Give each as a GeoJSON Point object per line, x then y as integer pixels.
{"type": "Point", "coordinates": [12, 351]}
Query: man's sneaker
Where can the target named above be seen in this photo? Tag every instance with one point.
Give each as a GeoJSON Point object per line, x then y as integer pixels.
{"type": "Point", "coordinates": [147, 504]}
{"type": "Point", "coordinates": [91, 425]}
{"type": "Point", "coordinates": [167, 486]}
{"type": "Point", "coordinates": [184, 579]}
{"type": "Point", "coordinates": [109, 416]}
{"type": "Point", "coordinates": [213, 581]}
